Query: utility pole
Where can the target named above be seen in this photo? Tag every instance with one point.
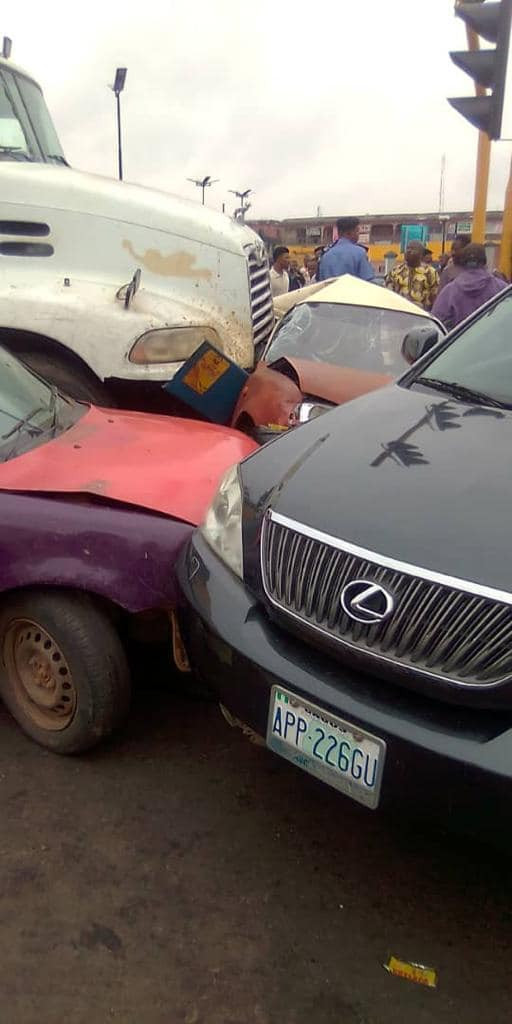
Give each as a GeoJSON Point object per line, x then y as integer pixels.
{"type": "Point", "coordinates": [441, 183]}
{"type": "Point", "coordinates": [203, 184]}
{"type": "Point", "coordinates": [117, 89]}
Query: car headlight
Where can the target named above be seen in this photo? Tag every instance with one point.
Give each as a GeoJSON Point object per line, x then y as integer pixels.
{"type": "Point", "coordinates": [222, 527]}
{"type": "Point", "coordinates": [307, 411]}
{"type": "Point", "coordinates": [171, 344]}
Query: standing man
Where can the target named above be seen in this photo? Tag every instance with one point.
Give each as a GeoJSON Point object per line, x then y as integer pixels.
{"type": "Point", "coordinates": [454, 265]}
{"type": "Point", "coordinates": [346, 256]}
{"type": "Point", "coordinates": [413, 279]}
{"type": "Point", "coordinates": [296, 278]}
{"type": "Point", "coordinates": [473, 286]}
{"type": "Point", "coordinates": [312, 267]}
{"type": "Point", "coordinates": [279, 280]}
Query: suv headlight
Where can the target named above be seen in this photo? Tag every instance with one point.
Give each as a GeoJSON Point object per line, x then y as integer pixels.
{"type": "Point", "coordinates": [171, 344]}
{"type": "Point", "coordinates": [222, 527]}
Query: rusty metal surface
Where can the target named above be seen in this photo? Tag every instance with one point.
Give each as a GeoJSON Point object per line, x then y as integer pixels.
{"type": "Point", "coordinates": [174, 264]}
{"type": "Point", "coordinates": [267, 397]}
{"type": "Point", "coordinates": [270, 396]}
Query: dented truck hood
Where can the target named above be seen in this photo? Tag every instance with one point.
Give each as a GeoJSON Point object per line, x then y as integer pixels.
{"type": "Point", "coordinates": [161, 463]}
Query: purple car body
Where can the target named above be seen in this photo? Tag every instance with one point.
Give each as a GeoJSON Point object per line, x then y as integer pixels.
{"type": "Point", "coordinates": [95, 506]}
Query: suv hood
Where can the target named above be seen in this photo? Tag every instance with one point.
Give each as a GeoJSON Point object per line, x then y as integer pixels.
{"type": "Point", "coordinates": [53, 187]}
{"type": "Point", "coordinates": [160, 463]}
{"type": "Point", "coordinates": [403, 473]}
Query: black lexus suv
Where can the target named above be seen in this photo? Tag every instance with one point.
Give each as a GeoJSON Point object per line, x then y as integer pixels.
{"type": "Point", "coordinates": [349, 595]}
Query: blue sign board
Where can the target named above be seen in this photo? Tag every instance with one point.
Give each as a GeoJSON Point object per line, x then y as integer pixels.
{"type": "Point", "coordinates": [413, 233]}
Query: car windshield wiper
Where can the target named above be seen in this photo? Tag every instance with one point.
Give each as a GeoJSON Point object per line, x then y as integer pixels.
{"type": "Point", "coordinates": [460, 391]}
{"type": "Point", "coordinates": [26, 422]}
{"type": "Point", "coordinates": [53, 408]}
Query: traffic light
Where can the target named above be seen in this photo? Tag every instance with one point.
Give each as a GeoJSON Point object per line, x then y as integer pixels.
{"type": "Point", "coordinates": [487, 68]}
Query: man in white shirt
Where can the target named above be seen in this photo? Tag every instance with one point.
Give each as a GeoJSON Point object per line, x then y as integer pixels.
{"type": "Point", "coordinates": [279, 280]}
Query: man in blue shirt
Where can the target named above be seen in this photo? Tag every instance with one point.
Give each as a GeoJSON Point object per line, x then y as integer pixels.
{"type": "Point", "coordinates": [346, 256]}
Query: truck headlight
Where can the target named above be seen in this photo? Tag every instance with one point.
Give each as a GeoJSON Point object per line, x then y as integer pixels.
{"type": "Point", "coordinates": [171, 344]}
{"type": "Point", "coordinates": [222, 527]}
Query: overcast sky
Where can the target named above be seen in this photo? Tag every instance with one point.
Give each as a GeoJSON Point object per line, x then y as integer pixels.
{"type": "Point", "coordinates": [332, 106]}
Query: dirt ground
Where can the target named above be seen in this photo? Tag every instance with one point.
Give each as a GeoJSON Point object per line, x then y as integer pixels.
{"type": "Point", "coordinates": [181, 874]}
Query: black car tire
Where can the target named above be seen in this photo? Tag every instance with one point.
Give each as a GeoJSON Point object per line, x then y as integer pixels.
{"type": "Point", "coordinates": [64, 675]}
{"type": "Point", "coordinates": [75, 382]}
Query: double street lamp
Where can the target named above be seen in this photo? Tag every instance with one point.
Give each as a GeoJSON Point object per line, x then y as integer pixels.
{"type": "Point", "coordinates": [244, 205]}
{"type": "Point", "coordinates": [203, 183]}
{"type": "Point", "coordinates": [117, 89]}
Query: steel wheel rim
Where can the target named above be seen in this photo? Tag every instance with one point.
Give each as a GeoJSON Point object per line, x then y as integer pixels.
{"type": "Point", "coordinates": [39, 675]}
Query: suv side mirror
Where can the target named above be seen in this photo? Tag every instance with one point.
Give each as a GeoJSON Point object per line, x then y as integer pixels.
{"type": "Point", "coordinates": [418, 341]}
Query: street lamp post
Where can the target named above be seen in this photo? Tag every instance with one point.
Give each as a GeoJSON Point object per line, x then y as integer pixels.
{"type": "Point", "coordinates": [242, 196]}
{"type": "Point", "coordinates": [203, 184]}
{"type": "Point", "coordinates": [117, 89]}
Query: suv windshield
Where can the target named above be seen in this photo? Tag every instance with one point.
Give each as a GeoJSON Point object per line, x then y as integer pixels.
{"type": "Point", "coordinates": [480, 358]}
{"type": "Point", "coordinates": [26, 128]}
{"type": "Point", "coordinates": [31, 412]}
{"type": "Point", "coordinates": [360, 337]}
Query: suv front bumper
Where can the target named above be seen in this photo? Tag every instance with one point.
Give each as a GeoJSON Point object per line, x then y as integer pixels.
{"type": "Point", "coordinates": [442, 761]}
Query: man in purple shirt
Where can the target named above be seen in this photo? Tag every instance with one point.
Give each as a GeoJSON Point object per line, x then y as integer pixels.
{"type": "Point", "coordinates": [346, 256]}
{"type": "Point", "coordinates": [473, 286]}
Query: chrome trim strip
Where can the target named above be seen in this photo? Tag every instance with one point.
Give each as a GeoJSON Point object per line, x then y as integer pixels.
{"type": "Point", "coordinates": [392, 563]}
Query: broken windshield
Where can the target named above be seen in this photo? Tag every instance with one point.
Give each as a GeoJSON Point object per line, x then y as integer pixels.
{"type": "Point", "coordinates": [361, 337]}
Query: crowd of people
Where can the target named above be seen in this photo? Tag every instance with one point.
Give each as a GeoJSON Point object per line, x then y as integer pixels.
{"type": "Point", "coordinates": [451, 289]}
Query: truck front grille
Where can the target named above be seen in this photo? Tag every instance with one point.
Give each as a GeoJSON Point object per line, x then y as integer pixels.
{"type": "Point", "coordinates": [447, 628]}
{"type": "Point", "coordinates": [262, 310]}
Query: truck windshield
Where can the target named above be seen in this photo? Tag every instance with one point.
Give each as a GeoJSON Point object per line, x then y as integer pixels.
{"type": "Point", "coordinates": [26, 128]}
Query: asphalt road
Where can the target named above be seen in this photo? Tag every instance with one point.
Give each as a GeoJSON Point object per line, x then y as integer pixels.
{"type": "Point", "coordinates": [182, 875]}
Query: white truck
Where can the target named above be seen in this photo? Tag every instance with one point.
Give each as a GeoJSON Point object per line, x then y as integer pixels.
{"type": "Point", "coordinates": [105, 287]}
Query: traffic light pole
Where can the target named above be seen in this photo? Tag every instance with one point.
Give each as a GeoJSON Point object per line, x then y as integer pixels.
{"type": "Point", "coordinates": [481, 187]}
{"type": "Point", "coordinates": [483, 161]}
{"type": "Point", "coordinates": [506, 232]}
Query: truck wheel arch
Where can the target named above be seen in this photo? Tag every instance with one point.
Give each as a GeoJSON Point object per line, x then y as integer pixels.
{"type": "Point", "coordinates": [56, 363]}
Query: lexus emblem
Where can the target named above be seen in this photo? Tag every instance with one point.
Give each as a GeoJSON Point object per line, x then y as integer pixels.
{"type": "Point", "coordinates": [366, 602]}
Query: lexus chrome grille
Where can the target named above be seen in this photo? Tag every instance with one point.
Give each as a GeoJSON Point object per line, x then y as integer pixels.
{"type": "Point", "coordinates": [262, 309]}
{"type": "Point", "coordinates": [447, 628]}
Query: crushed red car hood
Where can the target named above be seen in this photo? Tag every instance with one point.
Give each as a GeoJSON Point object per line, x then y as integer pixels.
{"type": "Point", "coordinates": [160, 463]}
{"type": "Point", "coordinates": [337, 384]}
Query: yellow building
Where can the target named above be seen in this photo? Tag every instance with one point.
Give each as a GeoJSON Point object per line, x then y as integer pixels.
{"type": "Point", "coordinates": [382, 233]}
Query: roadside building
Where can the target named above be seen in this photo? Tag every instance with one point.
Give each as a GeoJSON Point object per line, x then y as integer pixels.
{"type": "Point", "coordinates": [386, 235]}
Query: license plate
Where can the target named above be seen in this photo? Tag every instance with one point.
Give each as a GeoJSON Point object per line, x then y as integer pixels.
{"type": "Point", "coordinates": [341, 754]}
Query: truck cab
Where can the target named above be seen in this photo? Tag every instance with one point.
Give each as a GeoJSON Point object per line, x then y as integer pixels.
{"type": "Point", "coordinates": [107, 287]}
